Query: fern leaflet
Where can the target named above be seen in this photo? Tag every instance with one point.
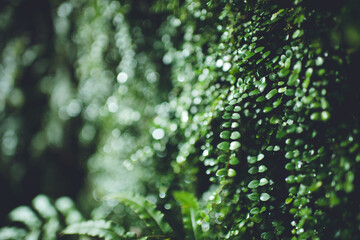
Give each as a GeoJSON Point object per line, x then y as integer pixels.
{"type": "Point", "coordinates": [146, 210]}
{"type": "Point", "coordinates": [189, 208]}
{"type": "Point", "coordinates": [98, 228]}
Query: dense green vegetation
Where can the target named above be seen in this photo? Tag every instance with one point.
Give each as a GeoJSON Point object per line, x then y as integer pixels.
{"type": "Point", "coordinates": [179, 119]}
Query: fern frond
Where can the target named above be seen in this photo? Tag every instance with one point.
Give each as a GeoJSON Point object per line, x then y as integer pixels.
{"type": "Point", "coordinates": [25, 215]}
{"type": "Point", "coordinates": [47, 211]}
{"type": "Point", "coordinates": [190, 209]}
{"type": "Point", "coordinates": [42, 220]}
{"type": "Point", "coordinates": [44, 207]}
{"type": "Point", "coordinates": [67, 208]}
{"type": "Point", "coordinates": [97, 228]}
{"type": "Point", "coordinates": [146, 210]}
{"type": "Point", "coordinates": [10, 233]}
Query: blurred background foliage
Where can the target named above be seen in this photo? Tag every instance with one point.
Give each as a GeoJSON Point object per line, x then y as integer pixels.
{"type": "Point", "coordinates": [80, 85]}
{"type": "Point", "coordinates": [248, 105]}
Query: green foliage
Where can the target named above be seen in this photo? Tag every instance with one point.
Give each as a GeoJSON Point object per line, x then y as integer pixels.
{"type": "Point", "coordinates": [44, 220]}
{"type": "Point", "coordinates": [190, 214]}
{"type": "Point", "coordinates": [7, 233]}
{"type": "Point", "coordinates": [267, 128]}
{"type": "Point", "coordinates": [232, 112]}
{"type": "Point", "coordinates": [102, 229]}
{"type": "Point", "coordinates": [145, 210]}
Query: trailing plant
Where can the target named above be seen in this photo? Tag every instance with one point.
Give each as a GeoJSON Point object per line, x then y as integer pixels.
{"type": "Point", "coordinates": [252, 138]}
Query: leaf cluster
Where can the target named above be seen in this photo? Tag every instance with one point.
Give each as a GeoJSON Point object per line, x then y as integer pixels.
{"type": "Point", "coordinates": [252, 141]}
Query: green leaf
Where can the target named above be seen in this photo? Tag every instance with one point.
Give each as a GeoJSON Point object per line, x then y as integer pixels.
{"type": "Point", "coordinates": [237, 109]}
{"type": "Point", "coordinates": [289, 166]}
{"type": "Point", "coordinates": [229, 108]}
{"type": "Point", "coordinates": [267, 235]}
{"type": "Point", "coordinates": [223, 146]}
{"type": "Point", "coordinates": [257, 218]}
{"type": "Point", "coordinates": [277, 103]}
{"type": "Point", "coordinates": [190, 210]}
{"type": "Point", "coordinates": [264, 197]}
{"type": "Point", "coordinates": [255, 211]}
{"type": "Point", "coordinates": [287, 63]}
{"type": "Point", "coordinates": [297, 67]}
{"type": "Point", "coordinates": [47, 211]}
{"type": "Point", "coordinates": [288, 200]}
{"type": "Point", "coordinates": [293, 79]}
{"type": "Point", "coordinates": [260, 60]}
{"type": "Point", "coordinates": [284, 72]}
{"type": "Point", "coordinates": [262, 168]}
{"type": "Point", "coordinates": [289, 155]}
{"type": "Point", "coordinates": [235, 116]}
{"type": "Point", "coordinates": [259, 49]}
{"type": "Point", "coordinates": [221, 172]}
{"type": "Point", "coordinates": [271, 94]}
{"type": "Point", "coordinates": [253, 170]}
{"type": "Point", "coordinates": [25, 215]}
{"type": "Point", "coordinates": [252, 160]}
{"type": "Point", "coordinates": [297, 33]}
{"type": "Point", "coordinates": [66, 207]}
{"type": "Point", "coordinates": [226, 116]}
{"type": "Point", "coordinates": [253, 196]}
{"type": "Point", "coordinates": [146, 210]}
{"type": "Point", "coordinates": [226, 124]}
{"type": "Point", "coordinates": [266, 54]}
{"type": "Point", "coordinates": [309, 72]}
{"type": "Point", "coordinates": [319, 61]}
{"type": "Point", "coordinates": [253, 184]}
{"type": "Point", "coordinates": [249, 54]}
{"type": "Point", "coordinates": [315, 116]}
{"type": "Point", "coordinates": [235, 135]}
{"type": "Point", "coordinates": [290, 92]}
{"type": "Point", "coordinates": [263, 182]}
{"type": "Point", "coordinates": [306, 83]}
{"type": "Point", "coordinates": [260, 99]}
{"type": "Point", "coordinates": [225, 134]}
{"type": "Point", "coordinates": [12, 233]}
{"type": "Point", "coordinates": [43, 205]}
{"type": "Point", "coordinates": [231, 172]}
{"type": "Point", "coordinates": [254, 92]}
{"type": "Point", "coordinates": [325, 115]}
{"type": "Point", "coordinates": [223, 158]}
{"type": "Point", "coordinates": [103, 229]}
{"type": "Point", "coordinates": [282, 90]}
{"type": "Point", "coordinates": [234, 161]}
{"type": "Point", "coordinates": [235, 145]}
{"type": "Point", "coordinates": [276, 148]}
{"type": "Point", "coordinates": [267, 109]}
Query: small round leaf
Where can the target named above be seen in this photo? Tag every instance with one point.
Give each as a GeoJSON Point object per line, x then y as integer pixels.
{"type": "Point", "coordinates": [231, 172]}
{"type": "Point", "coordinates": [235, 135]}
{"type": "Point", "coordinates": [235, 145]}
{"type": "Point", "coordinates": [225, 134]}
{"type": "Point", "coordinates": [264, 197]}
{"type": "Point", "coordinates": [253, 184]}
{"type": "Point", "coordinates": [234, 160]}
{"type": "Point", "coordinates": [253, 196]}
{"type": "Point", "coordinates": [223, 146]}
